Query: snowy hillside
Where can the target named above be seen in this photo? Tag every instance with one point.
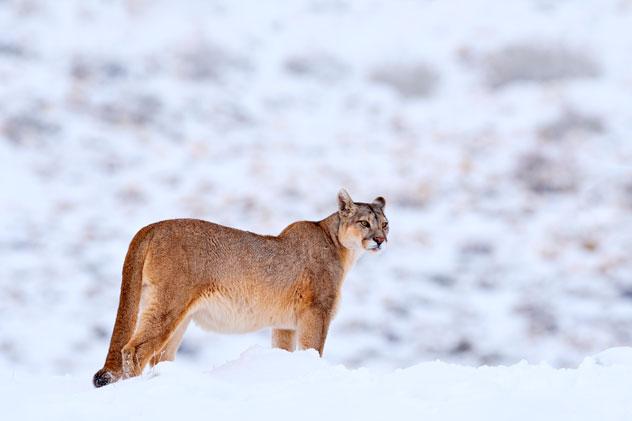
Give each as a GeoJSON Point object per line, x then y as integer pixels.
{"type": "Point", "coordinates": [275, 385]}
{"type": "Point", "coordinates": [498, 131]}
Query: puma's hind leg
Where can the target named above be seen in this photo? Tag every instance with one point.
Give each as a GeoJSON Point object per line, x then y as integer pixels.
{"type": "Point", "coordinates": [284, 339]}
{"type": "Point", "coordinates": [168, 352]}
{"type": "Point", "coordinates": [158, 325]}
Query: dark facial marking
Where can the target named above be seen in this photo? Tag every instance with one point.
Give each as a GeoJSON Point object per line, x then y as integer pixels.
{"type": "Point", "coordinates": [377, 219]}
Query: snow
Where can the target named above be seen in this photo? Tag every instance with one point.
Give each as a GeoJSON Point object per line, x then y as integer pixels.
{"type": "Point", "coordinates": [508, 202]}
{"type": "Point", "coordinates": [267, 384]}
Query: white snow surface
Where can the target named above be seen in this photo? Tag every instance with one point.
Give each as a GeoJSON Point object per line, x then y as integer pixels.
{"type": "Point", "coordinates": [267, 384]}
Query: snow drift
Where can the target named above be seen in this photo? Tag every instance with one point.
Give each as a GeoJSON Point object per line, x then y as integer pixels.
{"type": "Point", "coordinates": [273, 384]}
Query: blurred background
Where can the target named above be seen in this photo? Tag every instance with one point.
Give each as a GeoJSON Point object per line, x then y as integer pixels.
{"type": "Point", "coordinates": [499, 133]}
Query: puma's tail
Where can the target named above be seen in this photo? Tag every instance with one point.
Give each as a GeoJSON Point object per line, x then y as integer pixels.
{"type": "Point", "coordinates": [129, 302]}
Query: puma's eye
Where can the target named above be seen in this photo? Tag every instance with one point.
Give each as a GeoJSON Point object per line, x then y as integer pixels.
{"type": "Point", "coordinates": [385, 225]}
{"type": "Point", "coordinates": [365, 224]}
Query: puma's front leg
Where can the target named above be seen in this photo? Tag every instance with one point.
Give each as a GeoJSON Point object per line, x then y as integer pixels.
{"type": "Point", "coordinates": [312, 329]}
{"type": "Point", "coordinates": [284, 339]}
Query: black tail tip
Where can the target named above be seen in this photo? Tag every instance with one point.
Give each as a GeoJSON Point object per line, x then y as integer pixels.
{"type": "Point", "coordinates": [102, 378]}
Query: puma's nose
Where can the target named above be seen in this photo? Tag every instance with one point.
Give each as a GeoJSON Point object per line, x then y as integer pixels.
{"type": "Point", "coordinates": [378, 240]}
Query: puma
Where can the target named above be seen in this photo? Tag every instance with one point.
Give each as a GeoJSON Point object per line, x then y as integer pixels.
{"type": "Point", "coordinates": [234, 281]}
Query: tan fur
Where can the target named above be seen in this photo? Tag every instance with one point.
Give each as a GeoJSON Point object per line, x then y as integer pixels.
{"type": "Point", "coordinates": [233, 281]}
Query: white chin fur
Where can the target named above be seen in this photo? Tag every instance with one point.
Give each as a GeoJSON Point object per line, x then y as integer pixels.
{"type": "Point", "coordinates": [374, 247]}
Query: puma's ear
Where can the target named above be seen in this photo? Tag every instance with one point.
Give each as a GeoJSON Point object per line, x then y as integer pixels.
{"type": "Point", "coordinates": [345, 204]}
{"type": "Point", "coordinates": [379, 202]}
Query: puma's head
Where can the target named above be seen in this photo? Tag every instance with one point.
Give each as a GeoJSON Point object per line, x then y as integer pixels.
{"type": "Point", "coordinates": [363, 226]}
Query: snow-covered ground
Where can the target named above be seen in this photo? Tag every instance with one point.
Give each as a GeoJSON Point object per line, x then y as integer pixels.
{"type": "Point", "coordinates": [267, 384]}
{"type": "Point", "coordinates": [498, 131]}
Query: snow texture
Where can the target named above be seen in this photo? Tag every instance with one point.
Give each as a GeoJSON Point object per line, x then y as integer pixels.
{"type": "Point", "coordinates": [269, 384]}
{"type": "Point", "coordinates": [498, 131]}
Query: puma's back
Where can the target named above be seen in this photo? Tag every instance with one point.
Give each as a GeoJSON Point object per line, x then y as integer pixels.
{"type": "Point", "coordinates": [229, 280]}
{"type": "Point", "coordinates": [236, 281]}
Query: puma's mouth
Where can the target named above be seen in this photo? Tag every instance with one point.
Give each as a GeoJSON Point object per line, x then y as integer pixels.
{"type": "Point", "coordinates": [375, 248]}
